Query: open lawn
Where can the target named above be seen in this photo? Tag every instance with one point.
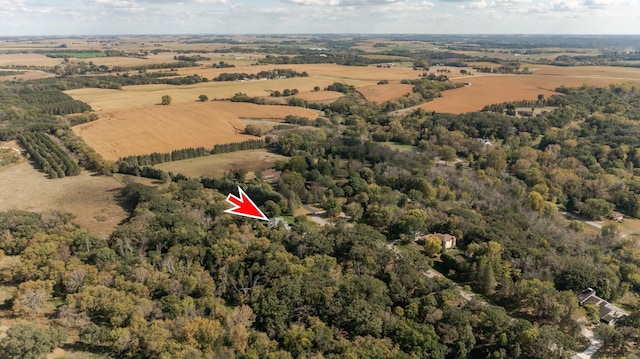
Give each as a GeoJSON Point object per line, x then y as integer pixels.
{"type": "Point", "coordinates": [488, 89]}
{"type": "Point", "coordinates": [157, 128]}
{"type": "Point", "coordinates": [90, 198]}
{"type": "Point", "coordinates": [382, 93]}
{"type": "Point", "coordinates": [216, 165]}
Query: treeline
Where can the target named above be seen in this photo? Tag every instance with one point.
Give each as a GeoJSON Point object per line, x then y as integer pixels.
{"type": "Point", "coordinates": [135, 164]}
{"type": "Point", "coordinates": [54, 102]}
{"type": "Point", "coordinates": [169, 65]}
{"type": "Point", "coordinates": [506, 68]}
{"type": "Point", "coordinates": [48, 156]}
{"type": "Point", "coordinates": [502, 107]}
{"type": "Point", "coordinates": [322, 58]}
{"type": "Point", "coordinates": [192, 58]}
{"type": "Point", "coordinates": [273, 74]}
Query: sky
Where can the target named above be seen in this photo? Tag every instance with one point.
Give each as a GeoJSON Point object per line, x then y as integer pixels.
{"type": "Point", "coordinates": [106, 17]}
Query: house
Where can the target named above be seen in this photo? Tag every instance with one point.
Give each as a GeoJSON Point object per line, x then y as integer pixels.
{"type": "Point", "coordinates": [526, 113]}
{"type": "Point", "coordinates": [616, 216]}
{"type": "Point", "coordinates": [448, 241]}
{"type": "Point", "coordinates": [608, 312]}
{"type": "Point", "coordinates": [274, 222]}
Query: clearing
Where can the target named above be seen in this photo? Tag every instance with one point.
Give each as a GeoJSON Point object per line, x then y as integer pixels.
{"type": "Point", "coordinates": [382, 93]}
{"type": "Point", "coordinates": [157, 128]}
{"type": "Point", "coordinates": [215, 166]}
{"type": "Point", "coordinates": [90, 198]}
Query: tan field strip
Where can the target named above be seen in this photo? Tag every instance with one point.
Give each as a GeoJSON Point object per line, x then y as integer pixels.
{"type": "Point", "coordinates": [147, 95]}
{"type": "Point", "coordinates": [27, 75]}
{"type": "Point", "coordinates": [319, 95]}
{"type": "Point", "coordinates": [216, 165]}
{"type": "Point", "coordinates": [381, 93]}
{"type": "Point", "coordinates": [91, 199]}
{"type": "Point", "coordinates": [157, 128]}
{"type": "Point", "coordinates": [489, 89]}
{"type": "Point", "coordinates": [28, 60]}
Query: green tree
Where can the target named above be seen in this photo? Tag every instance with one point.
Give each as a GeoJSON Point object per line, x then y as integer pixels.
{"type": "Point", "coordinates": [203, 98]}
{"type": "Point", "coordinates": [596, 208]}
{"type": "Point", "coordinates": [166, 100]}
{"type": "Point", "coordinates": [25, 341]}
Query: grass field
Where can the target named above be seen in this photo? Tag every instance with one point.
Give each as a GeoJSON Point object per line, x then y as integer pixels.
{"type": "Point", "coordinates": [319, 96]}
{"type": "Point", "coordinates": [157, 128]}
{"type": "Point", "coordinates": [91, 199]}
{"type": "Point", "coordinates": [217, 165]}
{"type": "Point", "coordinates": [382, 93]}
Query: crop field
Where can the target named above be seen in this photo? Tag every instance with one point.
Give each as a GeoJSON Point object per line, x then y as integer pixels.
{"type": "Point", "coordinates": [156, 128]}
{"type": "Point", "coordinates": [26, 75]}
{"type": "Point", "coordinates": [147, 95]}
{"type": "Point", "coordinates": [488, 89]}
{"type": "Point", "coordinates": [216, 165]}
{"type": "Point", "coordinates": [320, 96]}
{"type": "Point", "coordinates": [91, 199]}
{"type": "Point", "coordinates": [381, 93]}
{"type": "Point", "coordinates": [27, 60]}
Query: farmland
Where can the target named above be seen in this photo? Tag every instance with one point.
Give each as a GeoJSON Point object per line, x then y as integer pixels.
{"type": "Point", "coordinates": [381, 93]}
{"type": "Point", "coordinates": [217, 165]}
{"type": "Point", "coordinates": [142, 130]}
{"type": "Point", "coordinates": [89, 198]}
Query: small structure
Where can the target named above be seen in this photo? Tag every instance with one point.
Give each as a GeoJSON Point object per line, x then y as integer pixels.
{"type": "Point", "coordinates": [616, 216]}
{"type": "Point", "coordinates": [526, 113]}
{"type": "Point", "coordinates": [608, 312]}
{"type": "Point", "coordinates": [274, 222]}
{"type": "Point", "coordinates": [448, 241]}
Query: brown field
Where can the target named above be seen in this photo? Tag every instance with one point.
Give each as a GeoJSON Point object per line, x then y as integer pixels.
{"type": "Point", "coordinates": [216, 165]}
{"type": "Point", "coordinates": [27, 60]}
{"type": "Point", "coordinates": [382, 93]}
{"type": "Point", "coordinates": [158, 128]}
{"type": "Point", "coordinates": [147, 95]}
{"type": "Point", "coordinates": [89, 198]}
{"type": "Point", "coordinates": [489, 89]}
{"type": "Point", "coordinates": [319, 95]}
{"type": "Point", "coordinates": [27, 75]}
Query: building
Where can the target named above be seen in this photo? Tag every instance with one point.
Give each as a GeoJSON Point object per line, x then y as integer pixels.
{"type": "Point", "coordinates": [274, 222]}
{"type": "Point", "coordinates": [617, 216]}
{"type": "Point", "coordinates": [448, 241]}
{"type": "Point", "coordinates": [608, 312]}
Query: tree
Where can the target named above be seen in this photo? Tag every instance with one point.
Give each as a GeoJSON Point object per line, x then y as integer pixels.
{"type": "Point", "coordinates": [202, 98]}
{"type": "Point", "coordinates": [432, 245]}
{"type": "Point", "coordinates": [25, 341]}
{"type": "Point", "coordinates": [166, 100]}
{"type": "Point", "coordinates": [596, 208]}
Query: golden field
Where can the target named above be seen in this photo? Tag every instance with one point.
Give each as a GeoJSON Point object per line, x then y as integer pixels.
{"type": "Point", "coordinates": [156, 128]}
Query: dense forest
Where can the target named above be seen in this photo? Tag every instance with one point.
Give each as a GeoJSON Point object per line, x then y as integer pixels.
{"type": "Point", "coordinates": [180, 278]}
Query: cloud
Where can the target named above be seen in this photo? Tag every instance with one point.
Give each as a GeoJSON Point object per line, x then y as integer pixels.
{"type": "Point", "coordinates": [342, 2]}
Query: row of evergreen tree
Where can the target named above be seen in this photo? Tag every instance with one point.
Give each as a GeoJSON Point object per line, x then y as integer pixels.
{"type": "Point", "coordinates": [48, 156]}
{"type": "Point", "coordinates": [501, 107]}
{"type": "Point", "coordinates": [54, 102]}
{"type": "Point", "coordinates": [135, 165]}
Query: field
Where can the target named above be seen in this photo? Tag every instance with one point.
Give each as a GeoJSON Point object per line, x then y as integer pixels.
{"type": "Point", "coordinates": [216, 165]}
{"type": "Point", "coordinates": [382, 93]}
{"type": "Point", "coordinates": [488, 89]}
{"type": "Point", "coordinates": [27, 60]}
{"type": "Point", "coordinates": [148, 95]}
{"type": "Point", "coordinates": [319, 96]}
{"type": "Point", "coordinates": [156, 128]}
{"type": "Point", "coordinates": [91, 199]}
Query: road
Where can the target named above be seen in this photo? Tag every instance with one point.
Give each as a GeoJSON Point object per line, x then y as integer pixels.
{"type": "Point", "coordinates": [596, 343]}
{"type": "Point", "coordinates": [576, 217]}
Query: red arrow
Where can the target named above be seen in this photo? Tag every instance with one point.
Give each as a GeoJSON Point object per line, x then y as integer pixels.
{"type": "Point", "coordinates": [244, 206]}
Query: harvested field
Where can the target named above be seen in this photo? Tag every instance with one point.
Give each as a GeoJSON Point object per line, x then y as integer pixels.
{"type": "Point", "coordinates": [489, 89]}
{"type": "Point", "coordinates": [332, 71]}
{"type": "Point", "coordinates": [216, 165]}
{"type": "Point", "coordinates": [91, 199]}
{"type": "Point", "coordinates": [27, 75]}
{"type": "Point", "coordinates": [137, 131]}
{"type": "Point", "coordinates": [148, 95]}
{"type": "Point", "coordinates": [382, 93]}
{"type": "Point", "coordinates": [319, 96]}
{"type": "Point", "coordinates": [129, 61]}
{"type": "Point", "coordinates": [27, 60]}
